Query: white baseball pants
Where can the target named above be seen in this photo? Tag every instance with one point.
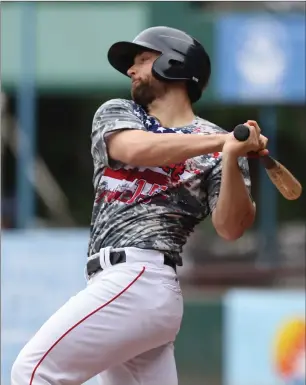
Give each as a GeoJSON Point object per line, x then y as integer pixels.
{"type": "Point", "coordinates": [121, 327]}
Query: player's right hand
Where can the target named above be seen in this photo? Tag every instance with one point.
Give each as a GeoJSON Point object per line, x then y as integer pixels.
{"type": "Point", "coordinates": [256, 143]}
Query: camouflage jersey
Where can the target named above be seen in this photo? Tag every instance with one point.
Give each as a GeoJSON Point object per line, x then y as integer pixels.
{"type": "Point", "coordinates": [150, 207]}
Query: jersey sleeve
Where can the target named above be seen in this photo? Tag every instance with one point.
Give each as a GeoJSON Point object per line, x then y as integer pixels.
{"type": "Point", "coordinates": [112, 116]}
{"type": "Point", "coordinates": [214, 181]}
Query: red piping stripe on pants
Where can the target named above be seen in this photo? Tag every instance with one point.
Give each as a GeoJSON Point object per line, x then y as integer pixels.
{"type": "Point", "coordinates": [82, 320]}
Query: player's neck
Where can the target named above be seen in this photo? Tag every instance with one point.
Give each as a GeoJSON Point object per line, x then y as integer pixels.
{"type": "Point", "coordinates": [173, 110]}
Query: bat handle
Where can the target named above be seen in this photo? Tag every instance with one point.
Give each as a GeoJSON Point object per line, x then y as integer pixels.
{"type": "Point", "coordinates": [241, 132]}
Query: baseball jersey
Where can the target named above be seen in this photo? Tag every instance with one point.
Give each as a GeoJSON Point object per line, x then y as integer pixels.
{"type": "Point", "coordinates": [150, 207]}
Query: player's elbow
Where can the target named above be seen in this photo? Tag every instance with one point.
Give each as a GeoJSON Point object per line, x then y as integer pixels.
{"type": "Point", "coordinates": [227, 229]}
{"type": "Point", "coordinates": [234, 227]}
{"type": "Point", "coordinates": [229, 234]}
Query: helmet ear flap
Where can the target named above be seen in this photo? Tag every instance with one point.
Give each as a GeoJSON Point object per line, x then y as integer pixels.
{"type": "Point", "coordinates": [166, 67]}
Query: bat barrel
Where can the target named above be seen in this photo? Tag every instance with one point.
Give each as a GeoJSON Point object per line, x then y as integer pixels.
{"type": "Point", "coordinates": [283, 180]}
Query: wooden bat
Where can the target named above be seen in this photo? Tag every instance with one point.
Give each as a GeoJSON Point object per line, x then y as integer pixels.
{"type": "Point", "coordinates": [283, 180]}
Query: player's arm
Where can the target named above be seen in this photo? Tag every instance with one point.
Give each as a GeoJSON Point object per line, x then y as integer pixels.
{"type": "Point", "coordinates": [234, 211]}
{"type": "Point", "coordinates": [119, 137]}
{"type": "Point", "coordinates": [140, 148]}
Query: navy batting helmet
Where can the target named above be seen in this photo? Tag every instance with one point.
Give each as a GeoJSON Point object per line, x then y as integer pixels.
{"type": "Point", "coordinates": [182, 57]}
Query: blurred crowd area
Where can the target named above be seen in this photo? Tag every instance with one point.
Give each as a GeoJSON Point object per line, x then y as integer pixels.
{"type": "Point", "coordinates": [63, 190]}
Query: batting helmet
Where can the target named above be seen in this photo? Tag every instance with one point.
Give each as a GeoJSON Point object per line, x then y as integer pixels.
{"type": "Point", "coordinates": [182, 57]}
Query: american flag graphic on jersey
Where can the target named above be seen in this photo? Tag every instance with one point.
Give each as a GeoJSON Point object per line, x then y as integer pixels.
{"type": "Point", "coordinates": [150, 207]}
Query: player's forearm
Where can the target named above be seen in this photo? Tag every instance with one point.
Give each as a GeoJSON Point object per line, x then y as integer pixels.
{"type": "Point", "coordinates": [234, 211]}
{"type": "Point", "coordinates": [138, 148]}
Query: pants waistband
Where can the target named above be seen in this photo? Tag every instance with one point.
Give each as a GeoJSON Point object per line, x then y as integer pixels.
{"type": "Point", "coordinates": [109, 256]}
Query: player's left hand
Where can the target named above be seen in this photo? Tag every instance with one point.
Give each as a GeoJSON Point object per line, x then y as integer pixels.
{"type": "Point", "coordinates": [262, 140]}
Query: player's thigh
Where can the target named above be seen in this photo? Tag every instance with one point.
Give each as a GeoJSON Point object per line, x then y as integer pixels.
{"type": "Point", "coordinates": [109, 322]}
{"type": "Point", "coordinates": [83, 337]}
{"type": "Point", "coordinates": [155, 367]}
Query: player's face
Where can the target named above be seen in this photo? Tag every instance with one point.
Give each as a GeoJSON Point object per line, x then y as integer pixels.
{"type": "Point", "coordinates": [145, 88]}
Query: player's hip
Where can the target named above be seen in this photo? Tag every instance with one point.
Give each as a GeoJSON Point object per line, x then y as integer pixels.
{"type": "Point", "coordinates": [142, 281]}
{"type": "Point", "coordinates": [155, 267]}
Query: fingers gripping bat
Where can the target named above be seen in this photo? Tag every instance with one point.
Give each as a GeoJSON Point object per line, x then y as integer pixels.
{"type": "Point", "coordinates": [283, 180]}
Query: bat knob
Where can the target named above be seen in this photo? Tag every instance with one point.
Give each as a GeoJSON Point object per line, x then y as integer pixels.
{"type": "Point", "coordinates": [241, 132]}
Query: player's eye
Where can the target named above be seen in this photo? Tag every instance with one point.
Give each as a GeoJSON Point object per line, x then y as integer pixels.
{"type": "Point", "coordinates": [144, 59]}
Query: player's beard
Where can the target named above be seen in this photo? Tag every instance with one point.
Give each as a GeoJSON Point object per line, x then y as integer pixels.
{"type": "Point", "coordinates": [146, 91]}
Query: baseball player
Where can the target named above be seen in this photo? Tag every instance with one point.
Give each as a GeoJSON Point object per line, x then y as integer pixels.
{"type": "Point", "coordinates": [159, 170]}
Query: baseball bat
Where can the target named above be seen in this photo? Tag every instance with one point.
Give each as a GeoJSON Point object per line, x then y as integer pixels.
{"type": "Point", "coordinates": [282, 178]}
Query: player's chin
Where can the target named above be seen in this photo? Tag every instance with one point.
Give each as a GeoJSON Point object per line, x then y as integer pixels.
{"type": "Point", "coordinates": [134, 93]}
{"type": "Point", "coordinates": [133, 88]}
{"type": "Point", "coordinates": [139, 98]}
{"type": "Point", "coordinates": [135, 98]}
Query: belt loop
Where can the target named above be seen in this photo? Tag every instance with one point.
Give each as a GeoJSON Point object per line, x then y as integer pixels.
{"type": "Point", "coordinates": [107, 256]}
{"type": "Point", "coordinates": [102, 258]}
{"type": "Point", "coordinates": [86, 276]}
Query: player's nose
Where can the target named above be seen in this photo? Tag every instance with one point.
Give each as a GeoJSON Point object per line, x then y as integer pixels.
{"type": "Point", "coordinates": [131, 71]}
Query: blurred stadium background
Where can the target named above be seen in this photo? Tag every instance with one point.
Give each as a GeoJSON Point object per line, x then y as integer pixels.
{"type": "Point", "coordinates": [244, 301]}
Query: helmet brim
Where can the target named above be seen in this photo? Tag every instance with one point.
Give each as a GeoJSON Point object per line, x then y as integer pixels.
{"type": "Point", "coordinates": [121, 55]}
